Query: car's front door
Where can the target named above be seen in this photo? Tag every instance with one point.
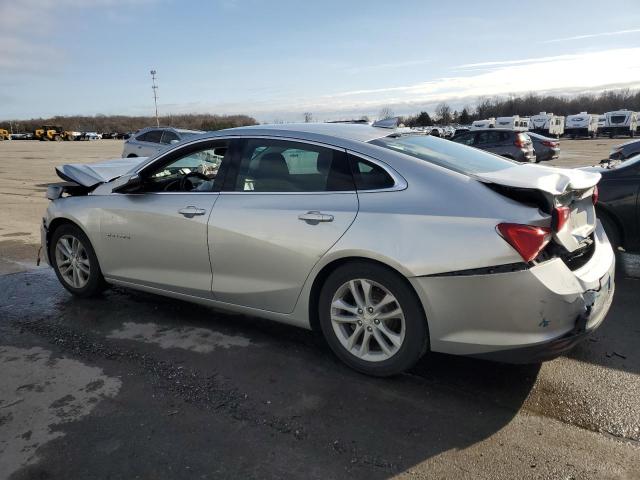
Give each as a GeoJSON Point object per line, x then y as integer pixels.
{"type": "Point", "coordinates": [157, 236]}
{"type": "Point", "coordinates": [285, 204]}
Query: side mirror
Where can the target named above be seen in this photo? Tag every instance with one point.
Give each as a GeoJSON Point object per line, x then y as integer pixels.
{"type": "Point", "coordinates": [131, 185]}
{"type": "Point", "coordinates": [174, 141]}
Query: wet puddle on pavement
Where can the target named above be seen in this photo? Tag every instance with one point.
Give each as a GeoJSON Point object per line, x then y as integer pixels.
{"type": "Point", "coordinates": [37, 394]}
{"type": "Point", "coordinates": [200, 340]}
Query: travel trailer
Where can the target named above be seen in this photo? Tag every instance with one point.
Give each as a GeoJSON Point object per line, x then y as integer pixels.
{"type": "Point", "coordinates": [547, 124]}
{"type": "Point", "coordinates": [514, 122]}
{"type": "Point", "coordinates": [582, 124]}
{"type": "Point", "coordinates": [602, 122]}
{"type": "Point", "coordinates": [620, 122]}
{"type": "Point", "coordinates": [488, 123]}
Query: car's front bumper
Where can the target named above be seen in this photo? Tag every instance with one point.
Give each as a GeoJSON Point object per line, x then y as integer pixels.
{"type": "Point", "coordinates": [526, 315]}
{"type": "Point", "coordinates": [44, 245]}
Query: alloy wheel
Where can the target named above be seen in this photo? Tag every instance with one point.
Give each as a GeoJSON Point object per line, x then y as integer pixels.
{"type": "Point", "coordinates": [368, 320]}
{"type": "Point", "coordinates": [72, 261]}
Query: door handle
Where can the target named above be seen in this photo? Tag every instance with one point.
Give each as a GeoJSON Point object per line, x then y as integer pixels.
{"type": "Point", "coordinates": [191, 211]}
{"type": "Point", "coordinates": [313, 217]}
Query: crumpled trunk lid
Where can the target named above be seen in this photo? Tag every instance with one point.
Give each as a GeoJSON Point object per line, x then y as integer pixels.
{"type": "Point", "coordinates": [91, 175]}
{"type": "Point", "coordinates": [554, 181]}
{"type": "Point", "coordinates": [549, 188]}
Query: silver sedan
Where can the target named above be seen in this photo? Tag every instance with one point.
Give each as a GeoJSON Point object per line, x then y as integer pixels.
{"type": "Point", "coordinates": [390, 244]}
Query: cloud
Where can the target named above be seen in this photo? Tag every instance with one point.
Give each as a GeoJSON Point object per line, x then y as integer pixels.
{"type": "Point", "coordinates": [593, 35]}
{"type": "Point", "coordinates": [564, 74]}
{"type": "Point", "coordinates": [515, 62]}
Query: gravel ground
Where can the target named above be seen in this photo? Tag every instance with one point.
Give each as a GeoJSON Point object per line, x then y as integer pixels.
{"type": "Point", "coordinates": [136, 386]}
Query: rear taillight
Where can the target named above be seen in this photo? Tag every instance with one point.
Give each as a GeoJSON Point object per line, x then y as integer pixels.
{"type": "Point", "coordinates": [520, 143]}
{"type": "Point", "coordinates": [549, 143]}
{"type": "Point", "coordinates": [528, 240]}
{"type": "Point", "coordinates": [559, 218]}
{"type": "Point", "coordinates": [595, 195]}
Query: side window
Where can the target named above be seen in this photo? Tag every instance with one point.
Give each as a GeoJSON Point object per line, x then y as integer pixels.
{"type": "Point", "coordinates": [168, 136]}
{"type": "Point", "coordinates": [151, 136]}
{"type": "Point", "coordinates": [195, 170]}
{"type": "Point", "coordinates": [485, 138]}
{"type": "Point", "coordinates": [466, 139]}
{"type": "Point", "coordinates": [369, 176]}
{"type": "Point", "coordinates": [286, 166]}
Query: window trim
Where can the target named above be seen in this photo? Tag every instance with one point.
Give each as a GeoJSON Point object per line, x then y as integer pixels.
{"type": "Point", "coordinates": [232, 166]}
{"type": "Point", "coordinates": [399, 183]}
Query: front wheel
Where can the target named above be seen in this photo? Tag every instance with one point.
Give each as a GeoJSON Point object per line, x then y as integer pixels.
{"type": "Point", "coordinates": [75, 262]}
{"type": "Point", "coordinates": [372, 319]}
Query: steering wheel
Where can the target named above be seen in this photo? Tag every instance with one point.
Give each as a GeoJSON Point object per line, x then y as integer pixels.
{"type": "Point", "coordinates": [182, 184]}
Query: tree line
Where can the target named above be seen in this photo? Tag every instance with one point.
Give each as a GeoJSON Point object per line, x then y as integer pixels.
{"type": "Point", "coordinates": [527, 105]}
{"type": "Point", "coordinates": [123, 123]}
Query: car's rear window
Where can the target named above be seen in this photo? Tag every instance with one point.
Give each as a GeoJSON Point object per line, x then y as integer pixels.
{"type": "Point", "coordinates": [445, 153]}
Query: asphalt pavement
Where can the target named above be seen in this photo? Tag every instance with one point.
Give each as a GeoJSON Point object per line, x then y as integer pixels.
{"type": "Point", "coordinates": [131, 385]}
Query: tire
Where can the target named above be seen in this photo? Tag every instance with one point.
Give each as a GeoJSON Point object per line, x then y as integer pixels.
{"type": "Point", "coordinates": [611, 229]}
{"type": "Point", "coordinates": [408, 329]}
{"type": "Point", "coordinates": [87, 285]}
{"type": "Point", "coordinates": [132, 155]}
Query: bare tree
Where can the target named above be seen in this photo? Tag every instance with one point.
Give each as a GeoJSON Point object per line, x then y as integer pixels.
{"type": "Point", "coordinates": [386, 112]}
{"type": "Point", "coordinates": [443, 113]}
{"type": "Point", "coordinates": [308, 117]}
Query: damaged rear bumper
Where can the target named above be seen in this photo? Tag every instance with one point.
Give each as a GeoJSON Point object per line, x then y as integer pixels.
{"type": "Point", "coordinates": [523, 316]}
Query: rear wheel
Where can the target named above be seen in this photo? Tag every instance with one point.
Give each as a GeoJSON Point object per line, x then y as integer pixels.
{"type": "Point", "coordinates": [372, 319]}
{"type": "Point", "coordinates": [75, 261]}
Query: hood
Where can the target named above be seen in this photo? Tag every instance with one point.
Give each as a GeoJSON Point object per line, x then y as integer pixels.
{"type": "Point", "coordinates": [548, 179]}
{"type": "Point", "coordinates": [90, 175]}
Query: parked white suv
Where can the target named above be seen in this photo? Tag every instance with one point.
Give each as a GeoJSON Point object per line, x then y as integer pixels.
{"type": "Point", "coordinates": [149, 141]}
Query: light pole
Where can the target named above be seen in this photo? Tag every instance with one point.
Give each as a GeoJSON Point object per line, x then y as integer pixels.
{"type": "Point", "coordinates": [155, 94]}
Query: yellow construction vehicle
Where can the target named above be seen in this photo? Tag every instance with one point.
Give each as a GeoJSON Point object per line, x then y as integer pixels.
{"type": "Point", "coordinates": [4, 134]}
{"type": "Point", "coordinates": [49, 132]}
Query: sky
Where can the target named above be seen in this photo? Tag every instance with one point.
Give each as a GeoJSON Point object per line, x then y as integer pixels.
{"type": "Point", "coordinates": [277, 59]}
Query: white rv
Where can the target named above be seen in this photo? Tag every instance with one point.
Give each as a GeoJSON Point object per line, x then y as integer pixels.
{"type": "Point", "coordinates": [488, 123]}
{"type": "Point", "coordinates": [514, 122]}
{"type": "Point", "coordinates": [620, 122]}
{"type": "Point", "coordinates": [602, 122]}
{"type": "Point", "coordinates": [547, 124]}
{"type": "Point", "coordinates": [582, 124]}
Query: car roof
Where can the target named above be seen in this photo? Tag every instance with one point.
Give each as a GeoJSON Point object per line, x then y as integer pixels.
{"type": "Point", "coordinates": [310, 131]}
{"type": "Point", "coordinates": [179, 130]}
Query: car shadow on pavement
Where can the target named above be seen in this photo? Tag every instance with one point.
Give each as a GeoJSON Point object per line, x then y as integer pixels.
{"type": "Point", "coordinates": [278, 393]}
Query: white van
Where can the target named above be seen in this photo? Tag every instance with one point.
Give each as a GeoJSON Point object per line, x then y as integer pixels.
{"type": "Point", "coordinates": [547, 124]}
{"type": "Point", "coordinates": [488, 123]}
{"type": "Point", "coordinates": [515, 122]}
{"type": "Point", "coordinates": [582, 124]}
{"type": "Point", "coordinates": [620, 122]}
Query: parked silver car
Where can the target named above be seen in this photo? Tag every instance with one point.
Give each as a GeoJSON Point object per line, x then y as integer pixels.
{"type": "Point", "coordinates": [390, 244]}
{"type": "Point", "coordinates": [150, 141]}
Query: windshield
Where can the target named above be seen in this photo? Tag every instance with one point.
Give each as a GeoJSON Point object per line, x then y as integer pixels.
{"type": "Point", "coordinates": [445, 153]}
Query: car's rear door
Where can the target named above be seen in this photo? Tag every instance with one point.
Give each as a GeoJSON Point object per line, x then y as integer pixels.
{"type": "Point", "coordinates": [157, 236]}
{"type": "Point", "coordinates": [284, 205]}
